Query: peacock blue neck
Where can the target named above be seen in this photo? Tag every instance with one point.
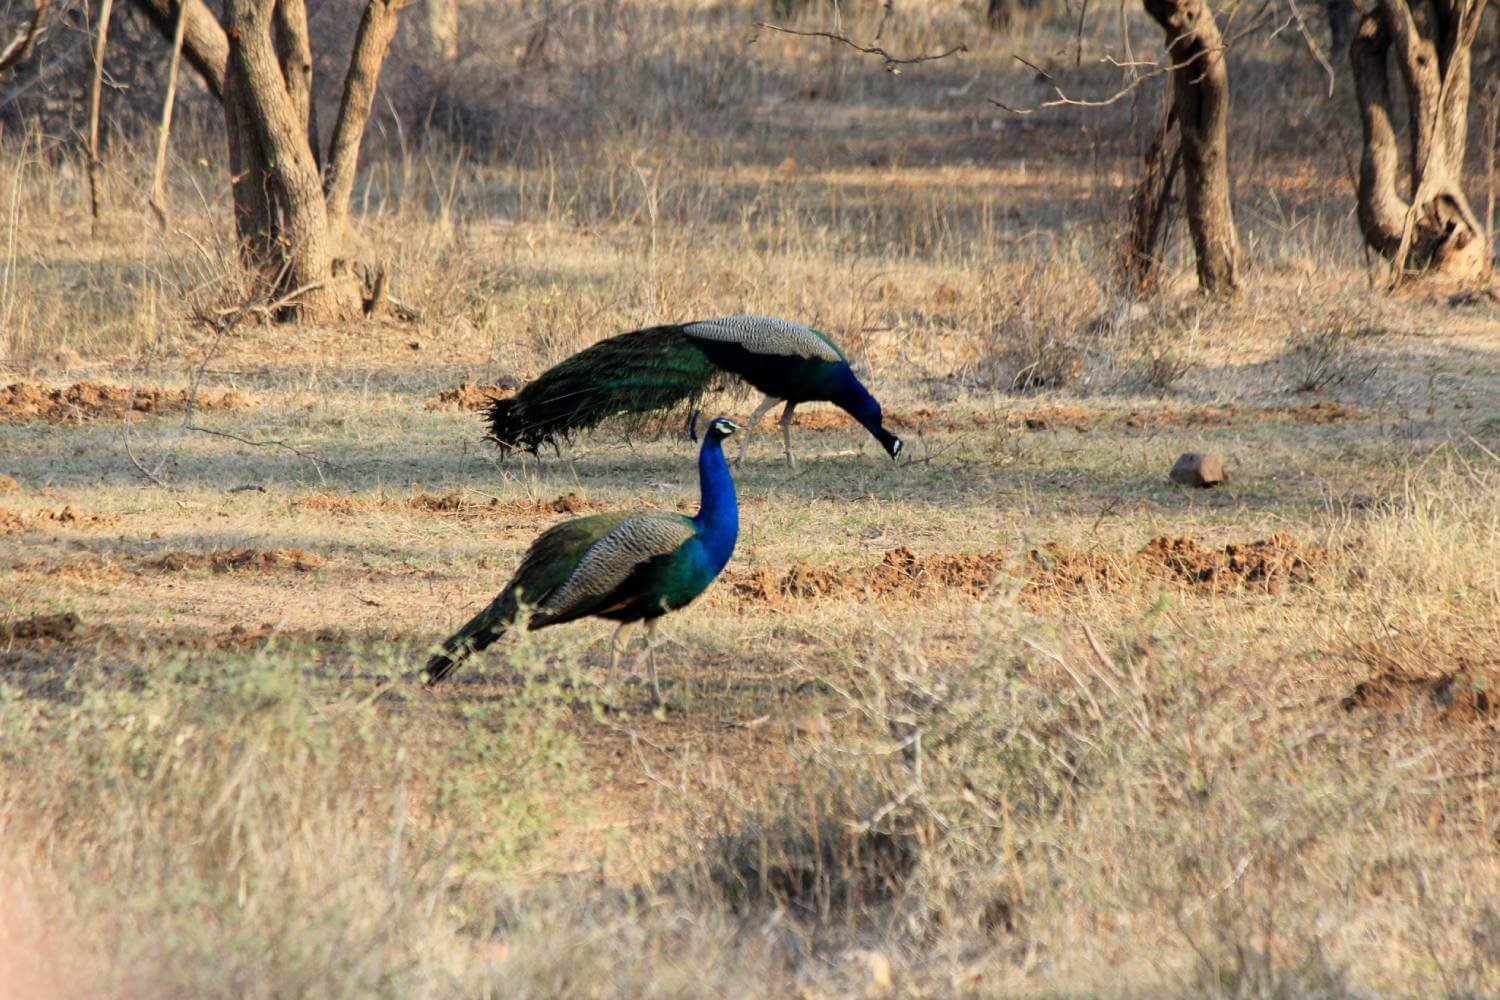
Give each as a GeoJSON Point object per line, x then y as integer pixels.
{"type": "Point", "coordinates": [853, 398]}
{"type": "Point", "coordinates": [718, 516]}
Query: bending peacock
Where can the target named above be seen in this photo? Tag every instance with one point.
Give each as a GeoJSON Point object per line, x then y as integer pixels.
{"type": "Point", "coordinates": [655, 369]}
{"type": "Point", "coordinates": [627, 566]}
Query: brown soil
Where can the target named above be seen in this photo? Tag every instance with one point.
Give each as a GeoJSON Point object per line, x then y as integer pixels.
{"type": "Point", "coordinates": [14, 521]}
{"type": "Point", "coordinates": [9, 484]}
{"type": "Point", "coordinates": [468, 396]}
{"type": "Point", "coordinates": [58, 628]}
{"type": "Point", "coordinates": [1457, 675]}
{"type": "Point", "coordinates": [1052, 572]}
{"type": "Point", "coordinates": [84, 401]}
{"type": "Point", "coordinates": [228, 560]}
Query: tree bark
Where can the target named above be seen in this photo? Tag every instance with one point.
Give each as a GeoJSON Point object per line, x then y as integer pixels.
{"type": "Point", "coordinates": [1429, 226]}
{"type": "Point", "coordinates": [1200, 89]}
{"type": "Point", "coordinates": [371, 43]}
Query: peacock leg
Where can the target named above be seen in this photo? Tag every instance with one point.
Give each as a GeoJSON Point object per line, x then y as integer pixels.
{"type": "Point", "coordinates": [760, 411]}
{"type": "Point", "coordinates": [617, 647]}
{"type": "Point", "coordinates": [651, 659]}
{"type": "Point", "coordinates": [786, 434]}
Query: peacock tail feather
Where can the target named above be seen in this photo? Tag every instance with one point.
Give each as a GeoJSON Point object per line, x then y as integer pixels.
{"type": "Point", "coordinates": [639, 374]}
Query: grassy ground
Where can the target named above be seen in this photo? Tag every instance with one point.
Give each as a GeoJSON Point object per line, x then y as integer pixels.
{"type": "Point", "coordinates": [1015, 716]}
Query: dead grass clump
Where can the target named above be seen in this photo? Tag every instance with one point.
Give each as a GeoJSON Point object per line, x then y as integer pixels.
{"type": "Point", "coordinates": [1333, 352]}
{"type": "Point", "coordinates": [85, 401]}
{"type": "Point", "coordinates": [1039, 331]}
{"type": "Point", "coordinates": [235, 559]}
{"type": "Point", "coordinates": [470, 396]}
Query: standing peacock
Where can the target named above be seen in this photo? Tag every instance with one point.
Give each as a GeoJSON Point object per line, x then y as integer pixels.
{"type": "Point", "coordinates": [646, 371]}
{"type": "Point", "coordinates": [627, 566]}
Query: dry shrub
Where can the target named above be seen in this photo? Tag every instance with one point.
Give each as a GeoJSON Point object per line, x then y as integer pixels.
{"type": "Point", "coordinates": [1333, 351]}
{"type": "Point", "coordinates": [1037, 333]}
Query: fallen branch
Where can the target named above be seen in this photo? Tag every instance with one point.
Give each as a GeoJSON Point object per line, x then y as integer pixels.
{"type": "Point", "coordinates": [892, 64]}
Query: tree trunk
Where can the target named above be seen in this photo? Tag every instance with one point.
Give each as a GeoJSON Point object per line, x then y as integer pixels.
{"type": "Point", "coordinates": [1200, 94]}
{"type": "Point", "coordinates": [280, 216]}
{"type": "Point", "coordinates": [288, 207]}
{"type": "Point", "coordinates": [1430, 227]}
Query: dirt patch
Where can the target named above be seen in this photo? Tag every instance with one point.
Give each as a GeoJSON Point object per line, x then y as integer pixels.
{"type": "Point", "coordinates": [9, 484]}
{"type": "Point", "coordinates": [241, 638]}
{"type": "Point", "coordinates": [1083, 419]}
{"type": "Point", "coordinates": [85, 401]}
{"type": "Point", "coordinates": [468, 396]}
{"type": "Point", "coordinates": [1455, 679]}
{"type": "Point", "coordinates": [235, 559]}
{"type": "Point", "coordinates": [12, 522]}
{"type": "Point", "coordinates": [87, 569]}
{"type": "Point", "coordinates": [1051, 573]}
{"type": "Point", "coordinates": [64, 627]}
{"type": "Point", "coordinates": [448, 503]}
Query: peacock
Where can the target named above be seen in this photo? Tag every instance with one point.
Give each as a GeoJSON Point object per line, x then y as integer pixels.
{"type": "Point", "coordinates": [626, 566]}
{"type": "Point", "coordinates": [655, 369]}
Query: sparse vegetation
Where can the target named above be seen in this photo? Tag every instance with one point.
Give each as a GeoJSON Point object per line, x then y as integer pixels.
{"type": "Point", "coordinates": [1016, 717]}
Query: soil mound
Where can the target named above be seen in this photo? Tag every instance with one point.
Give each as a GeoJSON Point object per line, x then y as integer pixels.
{"type": "Point", "coordinates": [13, 522]}
{"type": "Point", "coordinates": [9, 484]}
{"type": "Point", "coordinates": [330, 503]}
{"type": "Point", "coordinates": [38, 628]}
{"type": "Point", "coordinates": [1455, 677]}
{"type": "Point", "coordinates": [468, 396]}
{"type": "Point", "coordinates": [85, 401]}
{"type": "Point", "coordinates": [231, 560]}
{"type": "Point", "coordinates": [1052, 572]}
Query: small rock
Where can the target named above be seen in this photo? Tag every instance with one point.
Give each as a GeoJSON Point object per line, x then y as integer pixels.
{"type": "Point", "coordinates": [1199, 468]}
{"type": "Point", "coordinates": [413, 345]}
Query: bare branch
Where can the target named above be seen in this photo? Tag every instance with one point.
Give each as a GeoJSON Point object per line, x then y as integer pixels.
{"type": "Point", "coordinates": [19, 48]}
{"type": "Point", "coordinates": [158, 199]}
{"type": "Point", "coordinates": [204, 43]}
{"type": "Point", "coordinates": [891, 63]}
{"type": "Point", "coordinates": [371, 43]}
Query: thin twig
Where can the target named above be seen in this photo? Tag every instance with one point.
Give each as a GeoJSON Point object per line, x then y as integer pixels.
{"type": "Point", "coordinates": [317, 460]}
{"type": "Point", "coordinates": [891, 63]}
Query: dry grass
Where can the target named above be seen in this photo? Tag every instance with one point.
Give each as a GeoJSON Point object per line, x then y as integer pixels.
{"type": "Point", "coordinates": [1016, 756]}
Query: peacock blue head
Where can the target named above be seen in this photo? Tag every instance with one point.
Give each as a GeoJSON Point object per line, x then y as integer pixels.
{"type": "Point", "coordinates": [717, 430]}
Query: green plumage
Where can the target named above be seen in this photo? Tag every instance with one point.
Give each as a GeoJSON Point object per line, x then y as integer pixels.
{"type": "Point", "coordinates": [549, 562]}
{"type": "Point", "coordinates": [641, 373]}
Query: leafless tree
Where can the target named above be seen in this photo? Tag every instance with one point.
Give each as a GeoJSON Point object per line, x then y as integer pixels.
{"type": "Point", "coordinates": [291, 196]}
{"type": "Point", "coordinates": [1425, 225]}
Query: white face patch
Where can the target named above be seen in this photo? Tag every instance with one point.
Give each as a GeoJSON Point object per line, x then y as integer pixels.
{"type": "Point", "coordinates": [767, 335]}
{"type": "Point", "coordinates": [612, 558]}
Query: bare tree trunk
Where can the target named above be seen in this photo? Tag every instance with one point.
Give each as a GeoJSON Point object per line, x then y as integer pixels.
{"type": "Point", "coordinates": [105, 7]}
{"type": "Point", "coordinates": [1430, 227]}
{"type": "Point", "coordinates": [291, 248]}
{"type": "Point", "coordinates": [1200, 88]}
{"type": "Point", "coordinates": [204, 44]}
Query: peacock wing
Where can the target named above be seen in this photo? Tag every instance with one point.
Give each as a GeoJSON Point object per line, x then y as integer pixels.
{"type": "Point", "coordinates": [611, 560]}
{"type": "Point", "coordinates": [768, 335]}
{"type": "Point", "coordinates": [556, 553]}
